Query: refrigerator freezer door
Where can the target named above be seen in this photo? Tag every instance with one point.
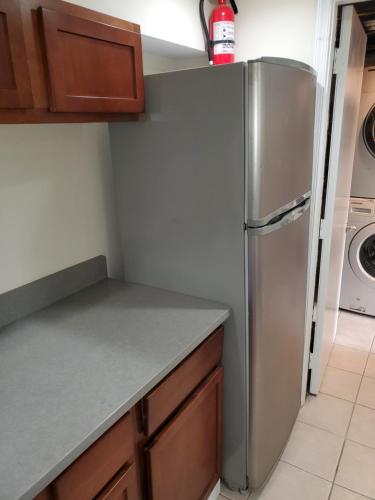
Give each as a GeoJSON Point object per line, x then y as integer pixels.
{"type": "Point", "coordinates": [277, 295]}
{"type": "Point", "coordinates": [281, 134]}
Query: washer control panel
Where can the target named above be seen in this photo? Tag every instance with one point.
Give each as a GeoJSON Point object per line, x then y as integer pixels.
{"type": "Point", "coordinates": [362, 206]}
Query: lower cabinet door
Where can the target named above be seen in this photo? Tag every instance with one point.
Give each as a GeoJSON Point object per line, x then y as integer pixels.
{"type": "Point", "coordinates": [184, 460]}
{"type": "Point", "coordinates": [123, 486]}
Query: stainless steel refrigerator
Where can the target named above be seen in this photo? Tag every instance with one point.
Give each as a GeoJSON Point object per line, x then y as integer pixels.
{"type": "Point", "coordinates": [213, 192]}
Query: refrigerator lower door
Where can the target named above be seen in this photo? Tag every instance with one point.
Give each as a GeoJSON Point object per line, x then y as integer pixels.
{"type": "Point", "coordinates": [278, 256]}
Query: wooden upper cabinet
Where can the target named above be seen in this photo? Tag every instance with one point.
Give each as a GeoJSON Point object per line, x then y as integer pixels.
{"type": "Point", "coordinates": [92, 66]}
{"type": "Point", "coordinates": [61, 62]}
{"type": "Point", "coordinates": [15, 86]}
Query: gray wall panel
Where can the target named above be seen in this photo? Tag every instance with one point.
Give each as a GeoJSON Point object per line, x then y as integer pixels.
{"type": "Point", "coordinates": [39, 294]}
{"type": "Point", "coordinates": [180, 191]}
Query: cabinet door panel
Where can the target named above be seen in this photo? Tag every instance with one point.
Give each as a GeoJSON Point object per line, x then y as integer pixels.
{"type": "Point", "coordinates": [123, 487]}
{"type": "Point", "coordinates": [163, 400]}
{"type": "Point", "coordinates": [87, 476]}
{"type": "Point", "coordinates": [92, 66]}
{"type": "Point", "coordinates": [184, 460]}
{"type": "Point", "coordinates": [15, 87]}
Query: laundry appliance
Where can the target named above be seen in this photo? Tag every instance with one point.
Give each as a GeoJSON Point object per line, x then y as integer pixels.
{"type": "Point", "coordinates": [363, 182]}
{"type": "Point", "coordinates": [358, 279]}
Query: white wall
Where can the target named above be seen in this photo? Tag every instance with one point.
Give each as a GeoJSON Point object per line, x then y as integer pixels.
{"type": "Point", "coordinates": [276, 28]}
{"type": "Point", "coordinates": [174, 20]}
{"type": "Point", "coordinates": [56, 202]}
{"type": "Point", "coordinates": [263, 27]}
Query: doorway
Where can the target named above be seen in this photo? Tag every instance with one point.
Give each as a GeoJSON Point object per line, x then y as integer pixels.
{"type": "Point", "coordinates": [336, 129]}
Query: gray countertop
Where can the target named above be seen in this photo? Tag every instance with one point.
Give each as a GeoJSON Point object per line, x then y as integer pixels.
{"type": "Point", "coordinates": [67, 373]}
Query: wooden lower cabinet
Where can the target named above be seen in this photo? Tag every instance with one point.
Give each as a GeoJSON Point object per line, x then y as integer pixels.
{"type": "Point", "coordinates": [168, 447]}
{"type": "Point", "coordinates": [122, 487]}
{"type": "Point", "coordinates": [184, 460]}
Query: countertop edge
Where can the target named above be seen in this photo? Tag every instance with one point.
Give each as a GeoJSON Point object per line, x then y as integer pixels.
{"type": "Point", "coordinates": [56, 470]}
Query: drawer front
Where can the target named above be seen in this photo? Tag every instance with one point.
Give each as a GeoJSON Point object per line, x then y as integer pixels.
{"type": "Point", "coordinates": [184, 460]}
{"type": "Point", "coordinates": [162, 401]}
{"type": "Point", "coordinates": [123, 487]}
{"type": "Point", "coordinates": [90, 473]}
{"type": "Point", "coordinates": [92, 66]}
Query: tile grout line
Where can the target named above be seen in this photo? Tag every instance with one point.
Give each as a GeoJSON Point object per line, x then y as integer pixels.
{"type": "Point", "coordinates": [350, 420]}
{"type": "Point", "coordinates": [353, 347]}
{"type": "Point", "coordinates": [306, 471]}
{"type": "Point", "coordinates": [342, 436]}
{"type": "Point", "coordinates": [351, 417]}
{"type": "Point", "coordinates": [338, 397]}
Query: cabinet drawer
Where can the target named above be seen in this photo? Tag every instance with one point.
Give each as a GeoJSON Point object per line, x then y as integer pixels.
{"type": "Point", "coordinates": [162, 401]}
{"type": "Point", "coordinates": [90, 473]}
{"type": "Point", "coordinates": [92, 66]}
{"type": "Point", "coordinates": [184, 460]}
{"type": "Point", "coordinates": [123, 486]}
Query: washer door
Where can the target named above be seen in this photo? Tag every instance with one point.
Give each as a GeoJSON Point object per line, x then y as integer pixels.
{"type": "Point", "coordinates": [362, 255]}
{"type": "Point", "coordinates": [369, 131]}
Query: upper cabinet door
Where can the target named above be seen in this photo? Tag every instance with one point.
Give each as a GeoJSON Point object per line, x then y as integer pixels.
{"type": "Point", "coordinates": [92, 66]}
{"type": "Point", "coordinates": [15, 87]}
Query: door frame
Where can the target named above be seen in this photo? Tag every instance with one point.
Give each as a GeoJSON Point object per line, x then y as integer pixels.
{"type": "Point", "coordinates": [324, 50]}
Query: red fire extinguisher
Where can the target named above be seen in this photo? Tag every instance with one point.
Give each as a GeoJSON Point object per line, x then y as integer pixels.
{"type": "Point", "coordinates": [220, 38]}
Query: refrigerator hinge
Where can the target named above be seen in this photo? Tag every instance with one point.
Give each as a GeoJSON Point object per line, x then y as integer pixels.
{"type": "Point", "coordinates": [335, 59]}
{"type": "Point", "coordinates": [323, 229]}
{"type": "Point", "coordinates": [312, 345]}
{"type": "Point", "coordinates": [311, 359]}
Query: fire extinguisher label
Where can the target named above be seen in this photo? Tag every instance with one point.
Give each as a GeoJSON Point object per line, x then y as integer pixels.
{"type": "Point", "coordinates": [223, 32]}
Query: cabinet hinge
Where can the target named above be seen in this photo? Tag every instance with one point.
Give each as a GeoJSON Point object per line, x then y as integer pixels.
{"type": "Point", "coordinates": [312, 345]}
{"type": "Point", "coordinates": [323, 231]}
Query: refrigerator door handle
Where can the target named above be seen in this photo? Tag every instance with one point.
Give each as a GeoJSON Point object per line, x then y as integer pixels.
{"type": "Point", "coordinates": [282, 220]}
{"type": "Point", "coordinates": [264, 221]}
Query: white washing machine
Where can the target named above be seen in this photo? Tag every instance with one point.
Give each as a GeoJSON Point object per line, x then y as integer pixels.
{"type": "Point", "coordinates": [363, 182]}
{"type": "Point", "coordinates": [358, 279]}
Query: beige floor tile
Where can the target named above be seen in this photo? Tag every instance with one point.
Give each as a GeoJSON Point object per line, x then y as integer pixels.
{"type": "Point", "coordinates": [355, 322]}
{"type": "Point", "coordinates": [355, 338]}
{"type": "Point", "coordinates": [313, 450]}
{"type": "Point", "coordinates": [328, 413]}
{"type": "Point", "coordinates": [362, 426]}
{"type": "Point", "coordinates": [355, 330]}
{"type": "Point", "coordinates": [357, 469]}
{"type": "Point", "coordinates": [288, 482]}
{"type": "Point", "coordinates": [340, 383]}
{"type": "Point", "coordinates": [349, 359]}
{"type": "Point", "coordinates": [370, 368]}
{"type": "Point", "coordinates": [339, 493]}
{"type": "Point", "coordinates": [232, 495]}
{"type": "Point", "coordinates": [366, 395]}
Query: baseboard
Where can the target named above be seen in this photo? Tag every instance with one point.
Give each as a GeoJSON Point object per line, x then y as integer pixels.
{"type": "Point", "coordinates": [215, 492]}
